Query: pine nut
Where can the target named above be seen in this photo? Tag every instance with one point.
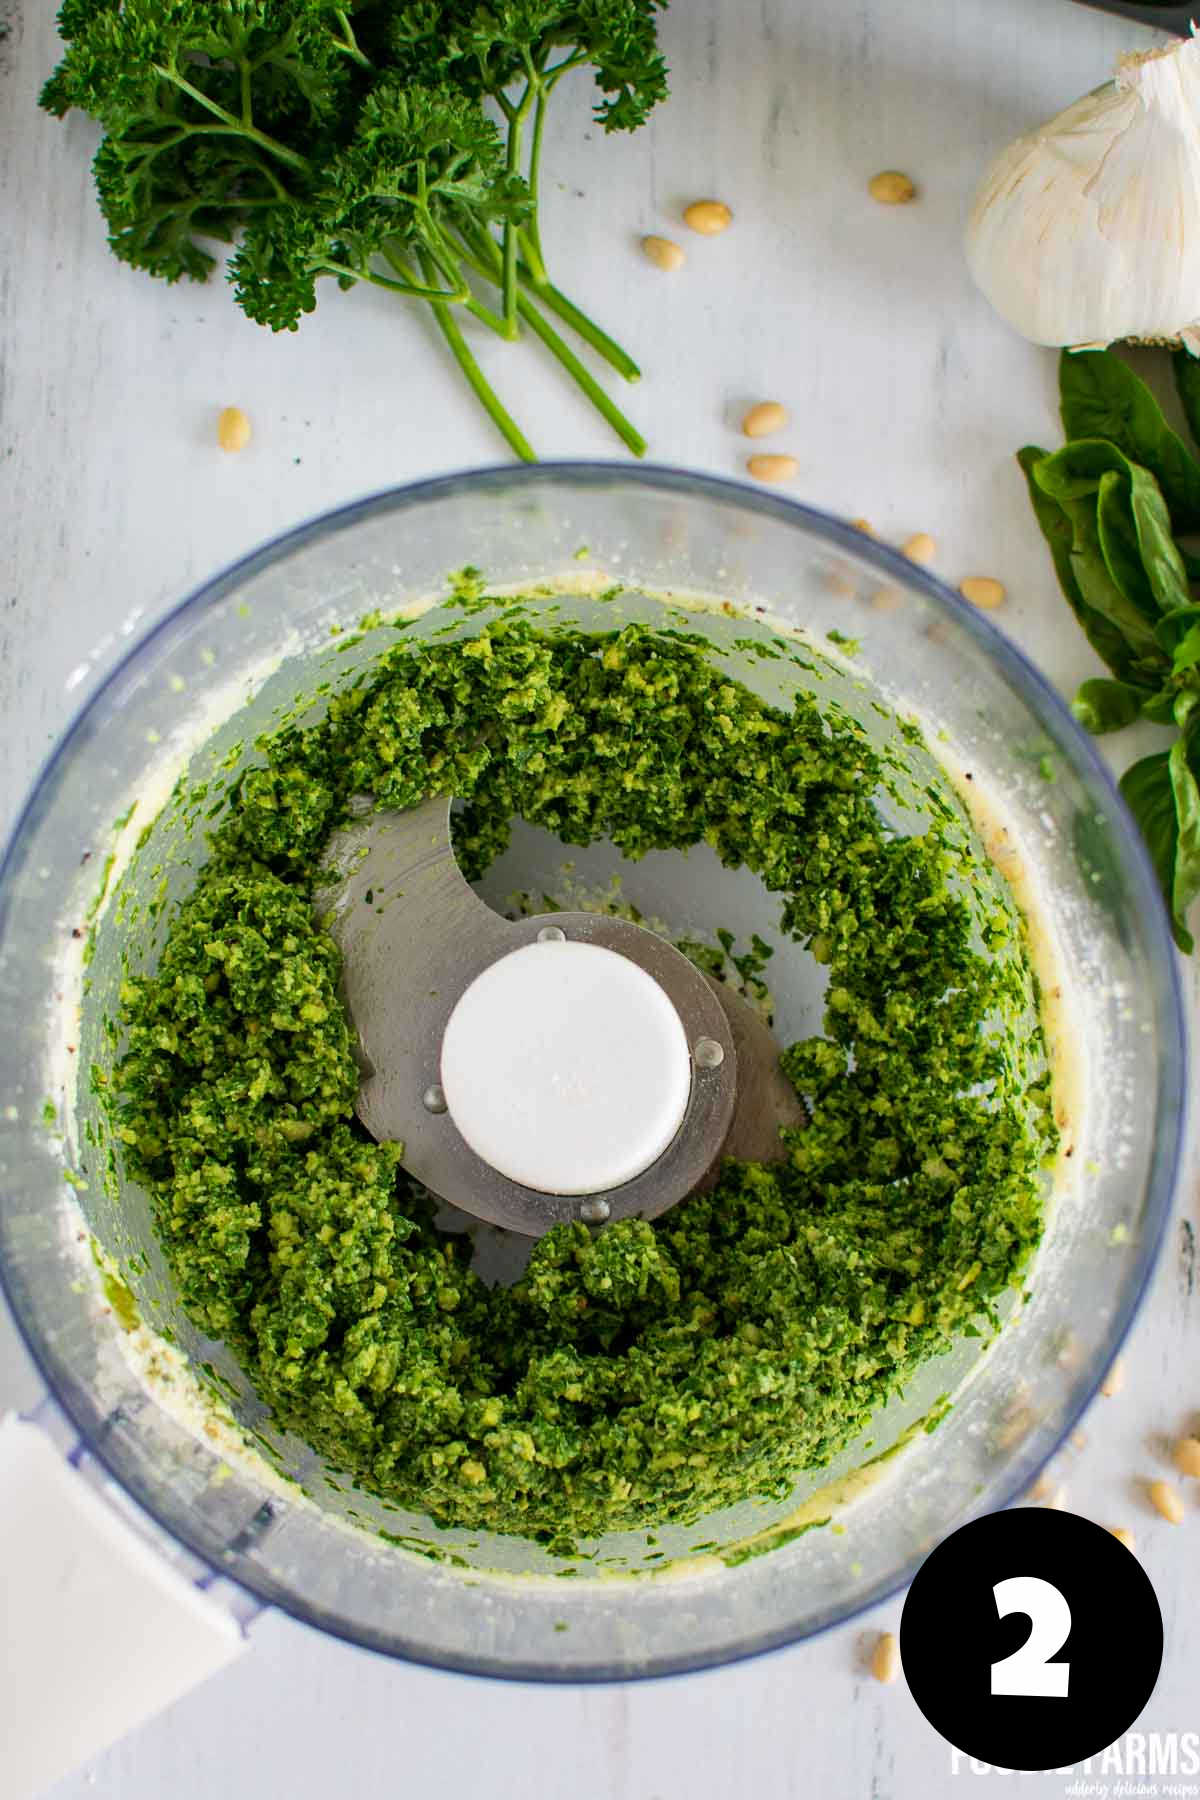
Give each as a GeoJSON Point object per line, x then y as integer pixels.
{"type": "Point", "coordinates": [1124, 1536]}
{"type": "Point", "coordinates": [865, 526]}
{"type": "Point", "coordinates": [1166, 1501]}
{"type": "Point", "coordinates": [886, 600]}
{"type": "Point", "coordinates": [708, 217]}
{"type": "Point", "coordinates": [885, 1658]}
{"type": "Point", "coordinates": [892, 188]}
{"type": "Point", "coordinates": [1187, 1457]}
{"type": "Point", "coordinates": [983, 592]}
{"type": "Point", "coordinates": [772, 468]}
{"type": "Point", "coordinates": [1114, 1381]}
{"type": "Point", "coordinates": [920, 548]}
{"type": "Point", "coordinates": [663, 253]}
{"type": "Point", "coordinates": [233, 428]}
{"type": "Point", "coordinates": [763, 419]}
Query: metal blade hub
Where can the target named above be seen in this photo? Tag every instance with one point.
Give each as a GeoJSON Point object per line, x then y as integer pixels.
{"type": "Point", "coordinates": [569, 1066]}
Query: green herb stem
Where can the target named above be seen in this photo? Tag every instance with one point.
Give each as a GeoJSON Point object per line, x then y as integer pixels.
{"type": "Point", "coordinates": [291, 157]}
{"type": "Point", "coordinates": [349, 43]}
{"type": "Point", "coordinates": [532, 232]}
{"type": "Point", "coordinates": [513, 163]}
{"type": "Point", "coordinates": [483, 256]}
{"type": "Point", "coordinates": [503, 420]}
{"type": "Point", "coordinates": [555, 301]}
{"type": "Point", "coordinates": [625, 430]}
{"type": "Point", "coordinates": [410, 289]}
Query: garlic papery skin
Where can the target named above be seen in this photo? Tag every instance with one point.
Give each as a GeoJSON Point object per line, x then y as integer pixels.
{"type": "Point", "coordinates": [1087, 230]}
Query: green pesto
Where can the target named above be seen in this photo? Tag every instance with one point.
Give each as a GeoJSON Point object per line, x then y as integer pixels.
{"type": "Point", "coordinates": [643, 1373]}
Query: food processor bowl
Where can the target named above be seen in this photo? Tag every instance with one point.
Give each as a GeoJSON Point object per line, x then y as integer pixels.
{"type": "Point", "coordinates": [276, 634]}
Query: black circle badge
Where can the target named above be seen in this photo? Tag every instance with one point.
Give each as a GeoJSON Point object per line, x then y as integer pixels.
{"type": "Point", "coordinates": [1031, 1639]}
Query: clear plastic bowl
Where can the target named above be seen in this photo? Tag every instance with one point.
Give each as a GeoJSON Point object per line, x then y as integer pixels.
{"type": "Point", "coordinates": [318, 1553]}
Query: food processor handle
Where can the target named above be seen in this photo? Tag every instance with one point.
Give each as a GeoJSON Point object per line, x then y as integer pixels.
{"type": "Point", "coordinates": [100, 1630]}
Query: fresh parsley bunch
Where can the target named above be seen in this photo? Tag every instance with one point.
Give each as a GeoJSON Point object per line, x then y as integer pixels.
{"type": "Point", "coordinates": [1112, 505]}
{"type": "Point", "coordinates": [354, 142]}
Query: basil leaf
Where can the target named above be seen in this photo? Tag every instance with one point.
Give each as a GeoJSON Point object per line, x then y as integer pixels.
{"type": "Point", "coordinates": [1101, 397]}
{"type": "Point", "coordinates": [1057, 528]}
{"type": "Point", "coordinates": [1138, 542]}
{"type": "Point", "coordinates": [1186, 370]}
{"type": "Point", "coordinates": [1187, 651]}
{"type": "Point", "coordinates": [1161, 559]}
{"type": "Point", "coordinates": [1072, 477]}
{"type": "Point", "coordinates": [1102, 706]}
{"type": "Point", "coordinates": [1186, 883]}
{"type": "Point", "coordinates": [1119, 542]}
{"type": "Point", "coordinates": [1147, 791]}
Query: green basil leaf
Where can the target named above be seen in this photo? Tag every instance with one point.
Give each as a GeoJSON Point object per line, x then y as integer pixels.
{"type": "Point", "coordinates": [1147, 791]}
{"type": "Point", "coordinates": [1187, 651]}
{"type": "Point", "coordinates": [1119, 542]}
{"type": "Point", "coordinates": [1186, 370]}
{"type": "Point", "coordinates": [1102, 706]}
{"type": "Point", "coordinates": [1174, 627]}
{"type": "Point", "coordinates": [1138, 543]}
{"type": "Point", "coordinates": [1161, 559]}
{"type": "Point", "coordinates": [1057, 528]}
{"type": "Point", "coordinates": [1100, 592]}
{"type": "Point", "coordinates": [1102, 397]}
{"type": "Point", "coordinates": [1187, 848]}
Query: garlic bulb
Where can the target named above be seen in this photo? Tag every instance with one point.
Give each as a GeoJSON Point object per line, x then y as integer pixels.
{"type": "Point", "coordinates": [1088, 229]}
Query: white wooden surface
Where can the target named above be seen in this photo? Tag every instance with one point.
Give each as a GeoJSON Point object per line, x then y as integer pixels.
{"type": "Point", "coordinates": [908, 401]}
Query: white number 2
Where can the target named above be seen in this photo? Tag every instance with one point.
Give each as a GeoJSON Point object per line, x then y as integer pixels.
{"type": "Point", "coordinates": [1029, 1669]}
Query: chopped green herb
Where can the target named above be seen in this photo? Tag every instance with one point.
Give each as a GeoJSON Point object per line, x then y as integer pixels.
{"type": "Point", "coordinates": [617, 1384]}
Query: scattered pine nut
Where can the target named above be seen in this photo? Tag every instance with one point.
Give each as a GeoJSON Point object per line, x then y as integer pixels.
{"type": "Point", "coordinates": [983, 591]}
{"type": "Point", "coordinates": [840, 582]}
{"type": "Point", "coordinates": [865, 526]}
{"type": "Point", "coordinates": [772, 468]}
{"type": "Point", "coordinates": [763, 419]}
{"type": "Point", "coordinates": [1048, 1492]}
{"type": "Point", "coordinates": [1166, 1501]}
{"type": "Point", "coordinates": [233, 428]}
{"type": "Point", "coordinates": [1124, 1536]}
{"type": "Point", "coordinates": [664, 253]}
{"type": "Point", "coordinates": [885, 1658]}
{"type": "Point", "coordinates": [1187, 1457]}
{"type": "Point", "coordinates": [1114, 1381]}
{"type": "Point", "coordinates": [892, 188]}
{"type": "Point", "coordinates": [920, 548]}
{"type": "Point", "coordinates": [886, 600]}
{"type": "Point", "coordinates": [708, 217]}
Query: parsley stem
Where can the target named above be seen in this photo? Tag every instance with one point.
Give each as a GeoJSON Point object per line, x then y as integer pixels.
{"type": "Point", "coordinates": [557, 302]}
{"type": "Point", "coordinates": [513, 164]}
{"type": "Point", "coordinates": [627, 432]}
{"type": "Point", "coordinates": [503, 420]}
{"type": "Point", "coordinates": [291, 157]}
{"type": "Point", "coordinates": [349, 45]}
{"type": "Point", "coordinates": [412, 289]}
{"type": "Point", "coordinates": [530, 241]}
{"type": "Point", "coordinates": [530, 231]}
{"type": "Point", "coordinates": [483, 255]}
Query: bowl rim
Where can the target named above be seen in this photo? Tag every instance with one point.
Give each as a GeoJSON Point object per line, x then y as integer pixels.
{"type": "Point", "coordinates": [1043, 700]}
